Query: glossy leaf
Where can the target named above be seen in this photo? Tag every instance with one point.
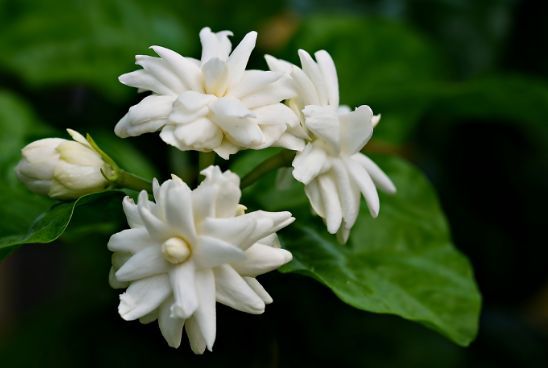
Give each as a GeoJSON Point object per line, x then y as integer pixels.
{"type": "Point", "coordinates": [401, 263]}
{"type": "Point", "coordinates": [51, 224]}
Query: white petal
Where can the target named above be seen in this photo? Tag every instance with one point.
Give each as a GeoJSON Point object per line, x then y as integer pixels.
{"type": "Point", "coordinates": [147, 262]}
{"type": "Point", "coordinates": [78, 153]}
{"type": "Point", "coordinates": [239, 57]}
{"type": "Point", "coordinates": [143, 296]}
{"type": "Point", "coordinates": [38, 170]}
{"type": "Point", "coordinates": [273, 93]}
{"type": "Point", "coordinates": [366, 185]}
{"type": "Point", "coordinates": [327, 66]}
{"type": "Point", "coordinates": [259, 289]}
{"type": "Point", "coordinates": [200, 134]}
{"type": "Point", "coordinates": [332, 203]}
{"type": "Point", "coordinates": [157, 228]}
{"type": "Point", "coordinates": [214, 44]}
{"type": "Point", "coordinates": [380, 179]}
{"type": "Point", "coordinates": [310, 163]}
{"type": "Point", "coordinates": [132, 212]}
{"type": "Point", "coordinates": [184, 290]}
{"type": "Point", "coordinates": [185, 69]}
{"type": "Point", "coordinates": [266, 223]}
{"type": "Point", "coordinates": [226, 149]}
{"type": "Point", "coordinates": [323, 121]}
{"type": "Point", "coordinates": [231, 229]}
{"type": "Point", "coordinates": [253, 81]}
{"type": "Point", "coordinates": [195, 338]}
{"type": "Point", "coordinates": [79, 179]}
{"type": "Point", "coordinates": [178, 208]}
{"type": "Point", "coordinates": [312, 191]}
{"type": "Point", "coordinates": [211, 252]}
{"type": "Point", "coordinates": [130, 240]}
{"type": "Point", "coordinates": [171, 328]}
{"type": "Point", "coordinates": [205, 315]}
{"type": "Point", "coordinates": [289, 141]}
{"type": "Point", "coordinates": [375, 120]}
{"type": "Point", "coordinates": [233, 291]}
{"type": "Point", "coordinates": [145, 81]}
{"type": "Point", "coordinates": [203, 201]}
{"type": "Point", "coordinates": [147, 116]}
{"type": "Point", "coordinates": [262, 259]}
{"type": "Point", "coordinates": [215, 73]}
{"type": "Point", "coordinates": [313, 72]}
{"type": "Point", "coordinates": [276, 114]}
{"type": "Point", "coordinates": [190, 106]}
{"type": "Point", "coordinates": [356, 129]}
{"type": "Point", "coordinates": [278, 65]}
{"type": "Point", "coordinates": [304, 87]}
{"type": "Point", "coordinates": [237, 122]}
{"type": "Point", "coordinates": [158, 69]}
{"type": "Point", "coordinates": [349, 193]}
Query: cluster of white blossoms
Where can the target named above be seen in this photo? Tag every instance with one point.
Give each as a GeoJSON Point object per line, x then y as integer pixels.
{"type": "Point", "coordinates": [215, 104]}
{"type": "Point", "coordinates": [189, 249]}
{"type": "Point", "coordinates": [331, 166]}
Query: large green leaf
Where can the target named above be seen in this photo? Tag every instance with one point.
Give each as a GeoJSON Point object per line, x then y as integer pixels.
{"type": "Point", "coordinates": [84, 42]}
{"type": "Point", "coordinates": [401, 263]}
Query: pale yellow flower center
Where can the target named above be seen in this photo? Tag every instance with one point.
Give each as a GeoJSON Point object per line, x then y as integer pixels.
{"type": "Point", "coordinates": [175, 250]}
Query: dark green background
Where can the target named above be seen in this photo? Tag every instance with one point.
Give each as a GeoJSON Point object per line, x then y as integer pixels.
{"type": "Point", "coordinates": [463, 89]}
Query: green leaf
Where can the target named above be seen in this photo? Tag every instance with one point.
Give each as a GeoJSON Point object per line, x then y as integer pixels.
{"type": "Point", "coordinates": [51, 224]}
{"type": "Point", "coordinates": [401, 263]}
{"type": "Point", "coordinates": [89, 42]}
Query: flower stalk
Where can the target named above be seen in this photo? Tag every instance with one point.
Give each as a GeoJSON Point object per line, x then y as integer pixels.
{"type": "Point", "coordinates": [282, 159]}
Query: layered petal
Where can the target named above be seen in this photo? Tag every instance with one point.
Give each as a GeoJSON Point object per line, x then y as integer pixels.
{"type": "Point", "coordinates": [143, 296]}
{"type": "Point", "coordinates": [149, 115]}
{"type": "Point", "coordinates": [235, 292]}
{"type": "Point", "coordinates": [260, 259]}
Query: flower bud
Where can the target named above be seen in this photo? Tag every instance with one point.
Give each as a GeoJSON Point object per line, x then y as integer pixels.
{"type": "Point", "coordinates": [62, 168]}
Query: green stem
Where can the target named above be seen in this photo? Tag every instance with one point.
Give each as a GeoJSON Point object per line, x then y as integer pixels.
{"type": "Point", "coordinates": [282, 159]}
{"type": "Point", "coordinates": [205, 159]}
{"type": "Point", "coordinates": [131, 181]}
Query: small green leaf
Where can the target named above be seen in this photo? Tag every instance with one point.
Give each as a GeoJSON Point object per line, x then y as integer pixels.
{"type": "Point", "coordinates": [51, 224]}
{"type": "Point", "coordinates": [401, 263]}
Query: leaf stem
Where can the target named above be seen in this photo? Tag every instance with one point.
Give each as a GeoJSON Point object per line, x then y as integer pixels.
{"type": "Point", "coordinates": [131, 181]}
{"type": "Point", "coordinates": [277, 161]}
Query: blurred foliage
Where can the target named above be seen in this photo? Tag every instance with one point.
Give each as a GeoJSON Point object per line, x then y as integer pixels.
{"type": "Point", "coordinates": [462, 86]}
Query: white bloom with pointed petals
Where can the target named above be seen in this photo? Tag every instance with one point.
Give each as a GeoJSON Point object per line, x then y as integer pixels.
{"type": "Point", "coordinates": [331, 166]}
{"type": "Point", "coordinates": [187, 250]}
{"type": "Point", "coordinates": [61, 168]}
{"type": "Point", "coordinates": [211, 104]}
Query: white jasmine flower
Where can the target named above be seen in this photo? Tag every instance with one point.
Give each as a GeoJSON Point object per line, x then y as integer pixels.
{"type": "Point", "coordinates": [211, 104]}
{"type": "Point", "coordinates": [331, 166]}
{"type": "Point", "coordinates": [189, 249]}
{"type": "Point", "coordinates": [62, 168]}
